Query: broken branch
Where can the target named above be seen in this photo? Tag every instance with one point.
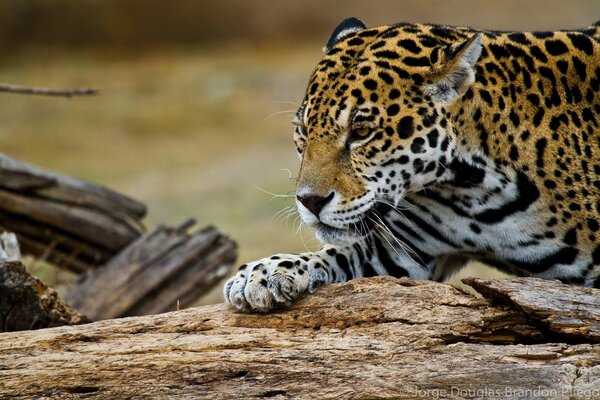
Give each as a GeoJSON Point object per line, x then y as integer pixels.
{"type": "Point", "coordinates": [8, 88]}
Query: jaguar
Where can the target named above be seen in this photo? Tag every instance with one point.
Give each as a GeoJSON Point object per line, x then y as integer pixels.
{"type": "Point", "coordinates": [425, 145]}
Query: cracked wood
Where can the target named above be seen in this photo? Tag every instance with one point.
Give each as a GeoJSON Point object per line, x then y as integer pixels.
{"type": "Point", "coordinates": [380, 337]}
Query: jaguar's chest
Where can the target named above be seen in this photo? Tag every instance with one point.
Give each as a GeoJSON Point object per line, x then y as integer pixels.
{"type": "Point", "coordinates": [483, 211]}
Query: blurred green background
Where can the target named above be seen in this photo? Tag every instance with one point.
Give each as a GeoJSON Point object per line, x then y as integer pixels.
{"type": "Point", "coordinates": [196, 97]}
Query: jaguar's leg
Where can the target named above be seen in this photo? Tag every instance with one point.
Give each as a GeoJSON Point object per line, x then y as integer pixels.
{"type": "Point", "coordinates": [279, 280]}
{"type": "Point", "coordinates": [446, 266]}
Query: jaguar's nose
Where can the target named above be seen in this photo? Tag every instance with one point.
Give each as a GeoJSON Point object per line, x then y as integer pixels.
{"type": "Point", "coordinates": [315, 203]}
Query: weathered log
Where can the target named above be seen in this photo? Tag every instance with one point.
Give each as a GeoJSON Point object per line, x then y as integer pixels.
{"type": "Point", "coordinates": [83, 223]}
{"type": "Point", "coordinates": [26, 302]}
{"type": "Point", "coordinates": [21, 177]}
{"type": "Point", "coordinates": [368, 338]}
{"type": "Point", "coordinates": [49, 245]}
{"type": "Point", "coordinates": [164, 267]}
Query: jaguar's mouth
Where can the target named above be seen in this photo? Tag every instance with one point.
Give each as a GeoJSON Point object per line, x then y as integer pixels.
{"type": "Point", "coordinates": [355, 231]}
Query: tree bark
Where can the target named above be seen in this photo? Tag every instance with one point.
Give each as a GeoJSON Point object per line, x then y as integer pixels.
{"type": "Point", "coordinates": [26, 302]}
{"type": "Point", "coordinates": [165, 267]}
{"type": "Point", "coordinates": [573, 313]}
{"type": "Point", "coordinates": [368, 338]}
{"type": "Point", "coordinates": [74, 224]}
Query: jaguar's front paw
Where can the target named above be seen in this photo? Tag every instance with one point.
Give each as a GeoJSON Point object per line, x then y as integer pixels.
{"type": "Point", "coordinates": [273, 282]}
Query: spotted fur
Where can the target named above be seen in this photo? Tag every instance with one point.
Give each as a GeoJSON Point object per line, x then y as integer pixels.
{"type": "Point", "coordinates": [424, 143]}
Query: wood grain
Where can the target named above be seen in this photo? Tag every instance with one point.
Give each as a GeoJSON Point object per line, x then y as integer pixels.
{"type": "Point", "coordinates": [368, 338]}
{"type": "Point", "coordinates": [573, 313]}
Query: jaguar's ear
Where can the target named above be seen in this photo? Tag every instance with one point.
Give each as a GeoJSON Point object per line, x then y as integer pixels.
{"type": "Point", "coordinates": [345, 28]}
{"type": "Point", "coordinates": [453, 69]}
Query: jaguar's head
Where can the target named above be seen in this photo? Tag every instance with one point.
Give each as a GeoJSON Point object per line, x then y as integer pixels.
{"type": "Point", "coordinates": [375, 122]}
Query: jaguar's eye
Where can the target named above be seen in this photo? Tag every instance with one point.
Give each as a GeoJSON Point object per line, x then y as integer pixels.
{"type": "Point", "coordinates": [359, 133]}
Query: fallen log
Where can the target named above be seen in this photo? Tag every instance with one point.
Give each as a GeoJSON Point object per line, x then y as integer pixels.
{"type": "Point", "coordinates": [26, 302]}
{"type": "Point", "coordinates": [73, 224]}
{"type": "Point", "coordinates": [368, 338]}
{"type": "Point", "coordinates": [163, 268]}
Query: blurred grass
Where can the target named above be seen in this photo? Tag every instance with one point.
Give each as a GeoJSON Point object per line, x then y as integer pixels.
{"type": "Point", "coordinates": [190, 133]}
{"type": "Point", "coordinates": [132, 26]}
{"type": "Point", "coordinates": [193, 131]}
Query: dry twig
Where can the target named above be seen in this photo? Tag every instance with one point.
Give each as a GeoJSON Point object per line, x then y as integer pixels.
{"type": "Point", "coordinates": [8, 88]}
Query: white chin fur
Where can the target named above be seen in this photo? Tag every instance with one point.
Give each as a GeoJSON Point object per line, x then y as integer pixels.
{"type": "Point", "coordinates": [339, 237]}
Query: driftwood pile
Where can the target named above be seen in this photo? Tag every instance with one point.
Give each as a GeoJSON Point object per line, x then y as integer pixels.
{"type": "Point", "coordinates": [98, 233]}
{"type": "Point", "coordinates": [368, 338]}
